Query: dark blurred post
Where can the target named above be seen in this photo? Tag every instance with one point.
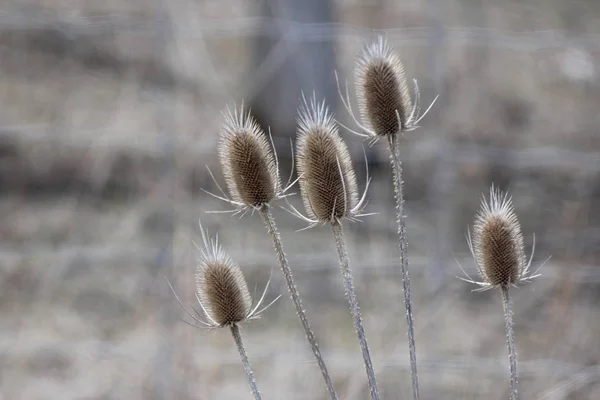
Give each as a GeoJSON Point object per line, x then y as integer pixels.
{"type": "Point", "coordinates": [298, 57]}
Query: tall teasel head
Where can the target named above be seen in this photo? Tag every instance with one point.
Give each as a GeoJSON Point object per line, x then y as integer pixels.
{"type": "Point", "coordinates": [249, 166]}
{"type": "Point", "coordinates": [221, 289]}
{"type": "Point", "coordinates": [325, 172]}
{"type": "Point", "coordinates": [382, 91]}
{"type": "Point", "coordinates": [384, 100]}
{"type": "Point", "coordinates": [496, 244]}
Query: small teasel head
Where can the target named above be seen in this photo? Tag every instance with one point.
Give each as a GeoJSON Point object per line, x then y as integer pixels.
{"type": "Point", "coordinates": [221, 289]}
{"type": "Point", "coordinates": [384, 100]}
{"type": "Point", "coordinates": [325, 173]}
{"type": "Point", "coordinates": [496, 244]}
{"type": "Point", "coordinates": [249, 166]}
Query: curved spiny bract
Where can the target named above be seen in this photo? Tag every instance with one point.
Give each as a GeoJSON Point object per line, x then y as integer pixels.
{"type": "Point", "coordinates": [327, 179]}
{"type": "Point", "coordinates": [221, 289]}
{"type": "Point", "coordinates": [248, 164]}
{"type": "Point", "coordinates": [496, 243]}
{"type": "Point", "coordinates": [383, 95]}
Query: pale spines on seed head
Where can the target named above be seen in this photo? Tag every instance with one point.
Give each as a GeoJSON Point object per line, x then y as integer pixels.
{"type": "Point", "coordinates": [223, 291]}
{"type": "Point", "coordinates": [248, 164]}
{"type": "Point", "coordinates": [385, 104]}
{"type": "Point", "coordinates": [496, 243]}
{"type": "Point", "coordinates": [383, 95]}
{"type": "Point", "coordinates": [221, 288]}
{"type": "Point", "coordinates": [327, 179]}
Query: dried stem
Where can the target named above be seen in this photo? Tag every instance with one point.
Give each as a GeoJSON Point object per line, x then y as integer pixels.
{"type": "Point", "coordinates": [510, 341]}
{"type": "Point", "coordinates": [403, 244]}
{"type": "Point", "coordinates": [269, 221]}
{"type": "Point", "coordinates": [351, 296]}
{"type": "Point", "coordinates": [235, 331]}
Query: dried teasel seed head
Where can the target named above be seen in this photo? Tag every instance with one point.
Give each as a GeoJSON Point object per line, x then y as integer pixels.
{"type": "Point", "coordinates": [223, 289]}
{"type": "Point", "coordinates": [326, 177]}
{"type": "Point", "coordinates": [248, 164]}
{"type": "Point", "coordinates": [383, 95]}
{"type": "Point", "coordinates": [221, 286]}
{"type": "Point", "coordinates": [497, 243]}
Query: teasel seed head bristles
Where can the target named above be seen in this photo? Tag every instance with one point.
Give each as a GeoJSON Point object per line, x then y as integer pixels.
{"type": "Point", "coordinates": [221, 289]}
{"type": "Point", "coordinates": [384, 100]}
{"type": "Point", "coordinates": [496, 244]}
{"type": "Point", "coordinates": [383, 95]}
{"type": "Point", "coordinates": [249, 165]}
{"type": "Point", "coordinates": [327, 179]}
{"type": "Point", "coordinates": [247, 161]}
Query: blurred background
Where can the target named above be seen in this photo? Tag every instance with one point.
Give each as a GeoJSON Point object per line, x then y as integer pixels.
{"type": "Point", "coordinates": [109, 115]}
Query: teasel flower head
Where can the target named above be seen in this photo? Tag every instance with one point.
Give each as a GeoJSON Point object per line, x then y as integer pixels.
{"type": "Point", "coordinates": [325, 173]}
{"type": "Point", "coordinates": [221, 289]}
{"type": "Point", "coordinates": [496, 244]}
{"type": "Point", "coordinates": [249, 165]}
{"type": "Point", "coordinates": [384, 100]}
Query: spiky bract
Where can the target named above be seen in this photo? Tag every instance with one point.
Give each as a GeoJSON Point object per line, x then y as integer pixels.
{"type": "Point", "coordinates": [382, 91]}
{"type": "Point", "coordinates": [327, 179]}
{"type": "Point", "coordinates": [248, 164]}
{"type": "Point", "coordinates": [221, 288]}
{"type": "Point", "coordinates": [497, 243]}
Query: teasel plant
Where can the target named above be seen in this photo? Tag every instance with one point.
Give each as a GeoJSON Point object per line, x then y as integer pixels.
{"type": "Point", "coordinates": [251, 172]}
{"type": "Point", "coordinates": [330, 195]}
{"type": "Point", "coordinates": [223, 296]}
{"type": "Point", "coordinates": [496, 243]}
{"type": "Point", "coordinates": [387, 111]}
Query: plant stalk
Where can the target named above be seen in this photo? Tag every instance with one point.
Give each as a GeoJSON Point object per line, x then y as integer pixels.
{"type": "Point", "coordinates": [235, 331]}
{"type": "Point", "coordinates": [338, 235]}
{"type": "Point", "coordinates": [269, 221]}
{"type": "Point", "coordinates": [510, 341]}
{"type": "Point", "coordinates": [403, 245]}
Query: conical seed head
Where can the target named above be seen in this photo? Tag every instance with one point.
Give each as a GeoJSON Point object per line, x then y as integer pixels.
{"type": "Point", "coordinates": [223, 291]}
{"type": "Point", "coordinates": [327, 179]}
{"type": "Point", "coordinates": [497, 241]}
{"type": "Point", "coordinates": [382, 91]}
{"type": "Point", "coordinates": [500, 252]}
{"type": "Point", "coordinates": [247, 161]}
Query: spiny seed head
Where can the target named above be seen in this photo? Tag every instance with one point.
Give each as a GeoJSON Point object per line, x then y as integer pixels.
{"type": "Point", "coordinates": [327, 179]}
{"type": "Point", "coordinates": [247, 161]}
{"type": "Point", "coordinates": [382, 91]}
{"type": "Point", "coordinates": [497, 242]}
{"type": "Point", "coordinates": [221, 286]}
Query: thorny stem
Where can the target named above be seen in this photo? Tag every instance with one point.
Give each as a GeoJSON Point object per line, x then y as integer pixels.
{"type": "Point", "coordinates": [338, 235]}
{"type": "Point", "coordinates": [403, 244]}
{"type": "Point", "coordinates": [510, 341]}
{"type": "Point", "coordinates": [235, 331]}
{"type": "Point", "coordinates": [269, 221]}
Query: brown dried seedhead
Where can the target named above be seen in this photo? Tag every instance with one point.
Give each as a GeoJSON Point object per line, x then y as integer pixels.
{"type": "Point", "coordinates": [382, 91]}
{"type": "Point", "coordinates": [497, 243]}
{"type": "Point", "coordinates": [248, 164]}
{"type": "Point", "coordinates": [327, 179]}
{"type": "Point", "coordinates": [222, 290]}
{"type": "Point", "coordinates": [384, 100]}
